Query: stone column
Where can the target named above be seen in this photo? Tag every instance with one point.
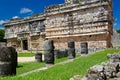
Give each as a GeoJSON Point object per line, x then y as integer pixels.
{"type": "Point", "coordinates": [21, 45]}
{"type": "Point", "coordinates": [71, 50]}
{"type": "Point", "coordinates": [38, 57]}
{"type": "Point", "coordinates": [8, 61]}
{"type": "Point", "coordinates": [84, 48]}
{"type": "Point", "coordinates": [48, 52]}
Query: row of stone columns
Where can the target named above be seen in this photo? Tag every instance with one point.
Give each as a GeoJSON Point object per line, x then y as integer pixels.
{"type": "Point", "coordinates": [8, 56]}
{"type": "Point", "coordinates": [49, 51]}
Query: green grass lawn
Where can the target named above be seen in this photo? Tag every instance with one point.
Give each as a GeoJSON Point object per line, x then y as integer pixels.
{"type": "Point", "coordinates": [28, 66]}
{"type": "Point", "coordinates": [26, 54]}
{"type": "Point", "coordinates": [64, 72]}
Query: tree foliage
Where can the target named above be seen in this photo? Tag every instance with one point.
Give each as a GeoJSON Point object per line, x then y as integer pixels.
{"type": "Point", "coordinates": [118, 30]}
{"type": "Point", "coordinates": [2, 33]}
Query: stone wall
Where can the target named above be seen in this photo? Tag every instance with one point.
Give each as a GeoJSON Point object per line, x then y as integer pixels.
{"type": "Point", "coordinates": [37, 43]}
{"type": "Point", "coordinates": [80, 24]}
{"type": "Point", "coordinates": [77, 22]}
{"type": "Point", "coordinates": [115, 39]}
{"type": "Point", "coordinates": [94, 41]}
{"type": "Point", "coordinates": [89, 21]}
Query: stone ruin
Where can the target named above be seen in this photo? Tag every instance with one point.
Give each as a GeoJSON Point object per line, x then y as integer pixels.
{"type": "Point", "coordinates": [116, 39]}
{"type": "Point", "coordinates": [105, 71]}
{"type": "Point", "coordinates": [8, 61]}
{"type": "Point", "coordinates": [89, 21]}
{"type": "Point", "coordinates": [71, 50]}
{"type": "Point", "coordinates": [60, 53]}
{"type": "Point", "coordinates": [38, 57]}
{"type": "Point", "coordinates": [49, 52]}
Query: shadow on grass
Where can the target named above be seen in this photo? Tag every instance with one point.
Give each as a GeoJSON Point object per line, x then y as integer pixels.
{"type": "Point", "coordinates": [19, 66]}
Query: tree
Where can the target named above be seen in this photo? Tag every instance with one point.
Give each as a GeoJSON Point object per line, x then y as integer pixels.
{"type": "Point", "coordinates": [2, 33]}
{"type": "Point", "coordinates": [118, 30]}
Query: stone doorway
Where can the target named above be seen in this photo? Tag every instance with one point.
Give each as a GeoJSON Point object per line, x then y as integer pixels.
{"type": "Point", "coordinates": [25, 45]}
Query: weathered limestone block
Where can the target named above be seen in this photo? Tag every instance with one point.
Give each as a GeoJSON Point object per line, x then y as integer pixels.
{"type": "Point", "coordinates": [8, 61]}
{"type": "Point", "coordinates": [71, 50]}
{"type": "Point", "coordinates": [59, 53]}
{"type": "Point", "coordinates": [38, 57]}
{"type": "Point", "coordinates": [96, 73]}
{"type": "Point", "coordinates": [105, 71]}
{"type": "Point", "coordinates": [49, 52]}
{"type": "Point", "coordinates": [110, 70]}
{"type": "Point", "coordinates": [118, 75]}
{"type": "Point", "coordinates": [48, 45]}
{"type": "Point", "coordinates": [71, 53]}
{"type": "Point", "coordinates": [95, 69]}
{"type": "Point", "coordinates": [84, 48]}
{"type": "Point", "coordinates": [114, 57]}
{"type": "Point", "coordinates": [14, 55]}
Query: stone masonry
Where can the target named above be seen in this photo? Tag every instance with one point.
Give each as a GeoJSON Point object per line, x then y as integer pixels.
{"type": "Point", "coordinates": [104, 71]}
{"type": "Point", "coordinates": [88, 21]}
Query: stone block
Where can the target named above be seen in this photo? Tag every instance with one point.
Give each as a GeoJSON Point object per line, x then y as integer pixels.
{"type": "Point", "coordinates": [71, 53]}
{"type": "Point", "coordinates": [8, 61]}
{"type": "Point", "coordinates": [38, 57]}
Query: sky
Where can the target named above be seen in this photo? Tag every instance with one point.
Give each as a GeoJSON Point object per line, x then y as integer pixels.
{"type": "Point", "coordinates": [23, 8]}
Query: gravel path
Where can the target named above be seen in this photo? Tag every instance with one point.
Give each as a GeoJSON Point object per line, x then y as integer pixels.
{"type": "Point", "coordinates": [28, 59]}
{"type": "Point", "coordinates": [37, 70]}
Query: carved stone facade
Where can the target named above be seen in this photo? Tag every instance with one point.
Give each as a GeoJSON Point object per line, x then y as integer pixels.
{"type": "Point", "coordinates": [88, 21]}
{"type": "Point", "coordinates": [79, 20]}
{"type": "Point", "coordinates": [26, 34]}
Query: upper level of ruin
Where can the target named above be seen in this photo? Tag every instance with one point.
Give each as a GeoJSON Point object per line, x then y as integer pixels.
{"type": "Point", "coordinates": [60, 19]}
{"type": "Point", "coordinates": [73, 5]}
{"type": "Point", "coordinates": [32, 18]}
{"type": "Point", "coordinates": [79, 18]}
{"type": "Point", "coordinates": [33, 25]}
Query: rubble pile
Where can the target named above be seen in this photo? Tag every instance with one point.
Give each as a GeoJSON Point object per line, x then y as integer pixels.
{"type": "Point", "coordinates": [104, 71]}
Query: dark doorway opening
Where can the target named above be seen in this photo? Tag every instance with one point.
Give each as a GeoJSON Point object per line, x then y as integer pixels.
{"type": "Point", "coordinates": [25, 45]}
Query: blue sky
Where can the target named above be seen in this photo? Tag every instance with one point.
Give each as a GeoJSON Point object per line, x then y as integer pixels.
{"type": "Point", "coordinates": [23, 8]}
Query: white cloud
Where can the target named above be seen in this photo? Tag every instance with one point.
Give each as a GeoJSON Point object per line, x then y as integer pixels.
{"type": "Point", "coordinates": [2, 21]}
{"type": "Point", "coordinates": [14, 17]}
{"type": "Point", "coordinates": [115, 24]}
{"type": "Point", "coordinates": [25, 10]}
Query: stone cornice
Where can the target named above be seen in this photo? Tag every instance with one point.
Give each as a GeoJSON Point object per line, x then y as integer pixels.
{"type": "Point", "coordinates": [25, 20]}
{"type": "Point", "coordinates": [73, 7]}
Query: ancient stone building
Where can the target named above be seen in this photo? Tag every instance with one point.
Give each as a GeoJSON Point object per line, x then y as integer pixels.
{"type": "Point", "coordinates": [26, 34]}
{"type": "Point", "coordinates": [88, 21]}
{"type": "Point", "coordinates": [80, 20]}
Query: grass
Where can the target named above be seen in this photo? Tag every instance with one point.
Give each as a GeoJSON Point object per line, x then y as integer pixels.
{"type": "Point", "coordinates": [26, 54]}
{"type": "Point", "coordinates": [28, 66]}
{"type": "Point", "coordinates": [64, 72]}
